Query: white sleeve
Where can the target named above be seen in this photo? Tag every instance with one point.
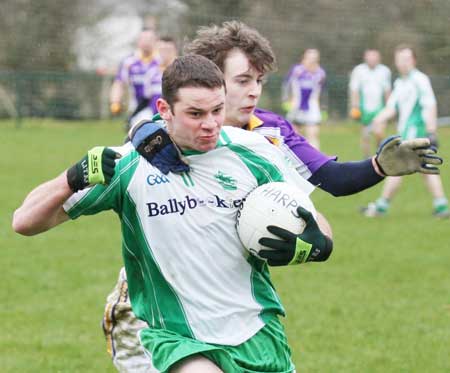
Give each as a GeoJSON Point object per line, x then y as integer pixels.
{"type": "Point", "coordinates": [427, 98]}
{"type": "Point", "coordinates": [354, 79]}
{"type": "Point", "coordinates": [387, 82]}
{"type": "Point", "coordinates": [393, 100]}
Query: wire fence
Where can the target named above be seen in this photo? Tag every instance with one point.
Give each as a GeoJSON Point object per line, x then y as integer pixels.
{"type": "Point", "coordinates": [84, 95]}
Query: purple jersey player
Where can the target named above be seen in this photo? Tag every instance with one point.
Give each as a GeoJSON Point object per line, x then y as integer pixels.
{"type": "Point", "coordinates": [141, 73]}
{"type": "Point", "coordinates": [305, 158]}
{"type": "Point", "coordinates": [301, 89]}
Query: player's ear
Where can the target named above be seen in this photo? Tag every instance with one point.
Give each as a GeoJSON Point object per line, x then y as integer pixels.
{"type": "Point", "coordinates": [164, 109]}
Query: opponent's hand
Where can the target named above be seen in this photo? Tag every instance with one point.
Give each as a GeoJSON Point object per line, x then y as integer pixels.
{"type": "Point", "coordinates": [152, 141]}
{"type": "Point", "coordinates": [97, 167]}
{"type": "Point", "coordinates": [115, 108]}
{"type": "Point", "coordinates": [355, 113]}
{"type": "Point", "coordinates": [396, 157]}
{"type": "Point", "coordinates": [310, 246]}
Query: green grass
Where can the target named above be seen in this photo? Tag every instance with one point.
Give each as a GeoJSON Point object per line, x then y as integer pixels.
{"type": "Point", "coordinates": [380, 304]}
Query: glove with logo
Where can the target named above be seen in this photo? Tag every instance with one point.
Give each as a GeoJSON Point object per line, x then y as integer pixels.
{"type": "Point", "coordinates": [152, 141]}
{"type": "Point", "coordinates": [309, 246]}
{"type": "Point", "coordinates": [97, 167]}
{"type": "Point", "coordinates": [396, 157]}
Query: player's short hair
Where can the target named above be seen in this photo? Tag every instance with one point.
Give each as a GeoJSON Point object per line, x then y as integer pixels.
{"type": "Point", "coordinates": [402, 47]}
{"type": "Point", "coordinates": [167, 39]}
{"type": "Point", "coordinates": [216, 42]}
{"type": "Point", "coordinates": [190, 71]}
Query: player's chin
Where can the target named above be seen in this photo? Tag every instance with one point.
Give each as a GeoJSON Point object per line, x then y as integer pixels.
{"type": "Point", "coordinates": [244, 116]}
{"type": "Point", "coordinates": [207, 144]}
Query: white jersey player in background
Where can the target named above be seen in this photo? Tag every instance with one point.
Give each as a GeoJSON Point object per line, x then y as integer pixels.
{"type": "Point", "coordinates": [414, 102]}
{"type": "Point", "coordinates": [370, 86]}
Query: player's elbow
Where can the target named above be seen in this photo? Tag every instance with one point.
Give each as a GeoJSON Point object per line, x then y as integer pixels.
{"type": "Point", "coordinates": [20, 224]}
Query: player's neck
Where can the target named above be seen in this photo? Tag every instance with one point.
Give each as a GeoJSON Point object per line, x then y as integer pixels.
{"type": "Point", "coordinates": [146, 56]}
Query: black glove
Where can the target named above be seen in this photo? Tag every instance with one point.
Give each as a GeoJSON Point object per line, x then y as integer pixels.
{"type": "Point", "coordinates": [310, 246]}
{"type": "Point", "coordinates": [152, 141]}
{"type": "Point", "coordinates": [97, 167]}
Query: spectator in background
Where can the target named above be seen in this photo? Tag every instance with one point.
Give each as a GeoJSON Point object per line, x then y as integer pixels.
{"type": "Point", "coordinates": [414, 102]}
{"type": "Point", "coordinates": [141, 73]}
{"type": "Point", "coordinates": [301, 89]}
{"type": "Point", "coordinates": [370, 86]}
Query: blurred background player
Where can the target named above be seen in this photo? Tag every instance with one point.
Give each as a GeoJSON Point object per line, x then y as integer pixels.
{"type": "Point", "coordinates": [166, 53]}
{"type": "Point", "coordinates": [370, 86]}
{"type": "Point", "coordinates": [141, 74]}
{"type": "Point", "coordinates": [414, 102]}
{"type": "Point", "coordinates": [167, 50]}
{"type": "Point", "coordinates": [301, 89]}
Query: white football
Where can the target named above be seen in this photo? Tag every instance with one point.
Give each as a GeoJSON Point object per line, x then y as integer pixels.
{"type": "Point", "coordinates": [271, 204]}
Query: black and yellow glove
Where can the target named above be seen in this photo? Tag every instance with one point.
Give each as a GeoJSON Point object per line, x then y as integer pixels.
{"type": "Point", "coordinates": [309, 246]}
{"type": "Point", "coordinates": [96, 167]}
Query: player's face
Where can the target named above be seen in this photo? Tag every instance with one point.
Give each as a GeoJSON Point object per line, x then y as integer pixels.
{"type": "Point", "coordinates": [146, 41]}
{"type": "Point", "coordinates": [311, 59]}
{"type": "Point", "coordinates": [244, 87]}
{"type": "Point", "coordinates": [405, 61]}
{"type": "Point", "coordinates": [167, 51]}
{"type": "Point", "coordinates": [372, 58]}
{"type": "Point", "coordinates": [196, 118]}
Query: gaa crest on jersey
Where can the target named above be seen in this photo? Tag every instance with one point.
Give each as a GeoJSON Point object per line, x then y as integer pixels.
{"type": "Point", "coordinates": [226, 181]}
{"type": "Point", "coordinates": [154, 179]}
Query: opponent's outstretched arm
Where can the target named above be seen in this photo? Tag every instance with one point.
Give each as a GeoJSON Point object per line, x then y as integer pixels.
{"type": "Point", "coordinates": [394, 158]}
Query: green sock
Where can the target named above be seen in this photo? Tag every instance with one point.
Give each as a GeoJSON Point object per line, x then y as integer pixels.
{"type": "Point", "coordinates": [382, 204]}
{"type": "Point", "coordinates": [440, 205]}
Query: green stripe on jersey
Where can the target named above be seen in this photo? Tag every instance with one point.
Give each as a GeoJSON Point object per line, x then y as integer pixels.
{"type": "Point", "coordinates": [415, 124]}
{"type": "Point", "coordinates": [153, 299]}
{"type": "Point", "coordinates": [263, 170]}
{"type": "Point", "coordinates": [265, 295]}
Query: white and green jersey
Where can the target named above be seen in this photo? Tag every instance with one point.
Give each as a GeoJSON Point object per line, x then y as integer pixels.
{"type": "Point", "coordinates": [187, 270]}
{"type": "Point", "coordinates": [371, 84]}
{"type": "Point", "coordinates": [411, 98]}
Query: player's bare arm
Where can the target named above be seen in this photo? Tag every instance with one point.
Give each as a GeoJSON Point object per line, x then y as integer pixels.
{"type": "Point", "coordinates": [430, 117]}
{"type": "Point", "coordinates": [43, 209]}
{"type": "Point", "coordinates": [115, 97]}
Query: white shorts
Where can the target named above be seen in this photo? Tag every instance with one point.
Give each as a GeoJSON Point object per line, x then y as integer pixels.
{"type": "Point", "coordinates": [121, 328]}
{"type": "Point", "coordinates": [305, 117]}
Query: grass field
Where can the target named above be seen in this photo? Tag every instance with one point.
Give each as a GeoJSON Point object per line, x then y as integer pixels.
{"type": "Point", "coordinates": [380, 304]}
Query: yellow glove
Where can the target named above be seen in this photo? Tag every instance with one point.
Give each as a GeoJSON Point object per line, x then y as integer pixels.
{"type": "Point", "coordinates": [115, 108]}
{"type": "Point", "coordinates": [286, 106]}
{"type": "Point", "coordinates": [355, 113]}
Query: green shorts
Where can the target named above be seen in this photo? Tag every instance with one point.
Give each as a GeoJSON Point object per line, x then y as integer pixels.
{"type": "Point", "coordinates": [368, 116]}
{"type": "Point", "coordinates": [266, 351]}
